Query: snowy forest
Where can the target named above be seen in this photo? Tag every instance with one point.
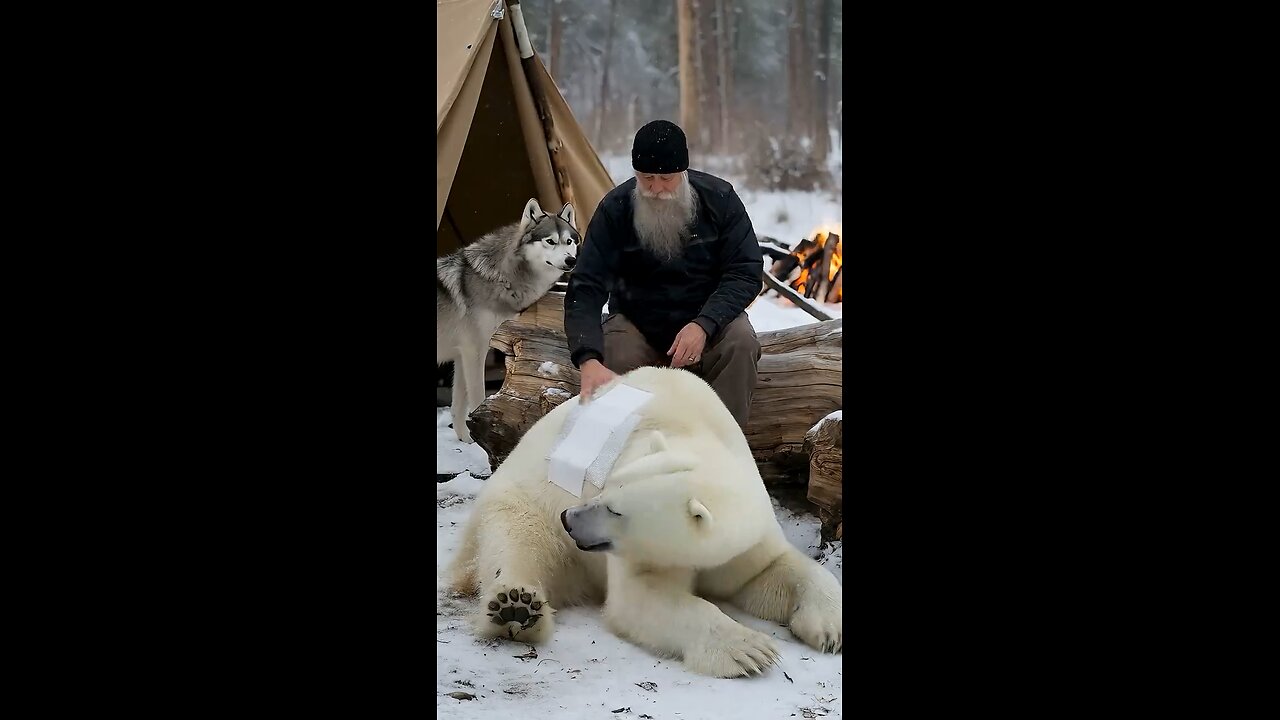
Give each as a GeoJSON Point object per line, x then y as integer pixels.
{"type": "Point", "coordinates": [756, 84]}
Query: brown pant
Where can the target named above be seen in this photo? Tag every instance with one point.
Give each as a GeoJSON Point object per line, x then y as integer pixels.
{"type": "Point", "coordinates": [728, 362]}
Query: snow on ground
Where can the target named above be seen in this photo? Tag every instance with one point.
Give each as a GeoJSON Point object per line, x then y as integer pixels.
{"type": "Point", "coordinates": [588, 672]}
{"type": "Point", "coordinates": [454, 456]}
{"type": "Point", "coordinates": [837, 415]}
{"type": "Point", "coordinates": [769, 312]}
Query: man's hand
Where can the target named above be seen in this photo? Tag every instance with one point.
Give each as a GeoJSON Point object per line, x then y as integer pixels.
{"type": "Point", "coordinates": [688, 345]}
{"type": "Point", "coordinates": [594, 374]}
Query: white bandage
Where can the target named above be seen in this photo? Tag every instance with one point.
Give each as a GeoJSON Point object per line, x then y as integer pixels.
{"type": "Point", "coordinates": [593, 436]}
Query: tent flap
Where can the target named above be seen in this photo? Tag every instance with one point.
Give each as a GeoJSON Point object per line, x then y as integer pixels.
{"type": "Point", "coordinates": [451, 136]}
{"type": "Point", "coordinates": [491, 150]}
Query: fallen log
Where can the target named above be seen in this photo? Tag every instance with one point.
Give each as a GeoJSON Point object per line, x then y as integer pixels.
{"type": "Point", "coordinates": [826, 479]}
{"type": "Point", "coordinates": [799, 300]}
{"type": "Point", "coordinates": [799, 382]}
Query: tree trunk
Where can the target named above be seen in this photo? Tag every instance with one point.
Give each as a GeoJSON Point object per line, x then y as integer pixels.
{"type": "Point", "coordinates": [822, 84]}
{"type": "Point", "coordinates": [706, 121]}
{"type": "Point", "coordinates": [722, 71]}
{"type": "Point", "coordinates": [838, 75]}
{"type": "Point", "coordinates": [603, 106]}
{"type": "Point", "coordinates": [688, 72]}
{"type": "Point", "coordinates": [799, 72]}
{"type": "Point", "coordinates": [804, 74]}
{"type": "Point", "coordinates": [825, 447]}
{"type": "Point", "coordinates": [793, 67]}
{"type": "Point", "coordinates": [799, 382]}
{"type": "Point", "coordinates": [710, 85]}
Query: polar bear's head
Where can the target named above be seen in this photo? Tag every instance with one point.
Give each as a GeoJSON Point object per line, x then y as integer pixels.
{"type": "Point", "coordinates": [671, 509]}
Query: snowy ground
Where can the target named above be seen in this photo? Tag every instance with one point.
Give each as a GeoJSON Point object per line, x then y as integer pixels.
{"type": "Point", "coordinates": [586, 671]}
{"type": "Point", "coordinates": [773, 313]}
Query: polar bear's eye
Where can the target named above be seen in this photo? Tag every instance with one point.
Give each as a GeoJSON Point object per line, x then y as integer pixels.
{"type": "Point", "coordinates": [606, 507]}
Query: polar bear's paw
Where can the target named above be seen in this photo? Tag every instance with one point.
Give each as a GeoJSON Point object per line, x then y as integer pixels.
{"type": "Point", "coordinates": [820, 628]}
{"type": "Point", "coordinates": [519, 614]}
{"type": "Point", "coordinates": [732, 650]}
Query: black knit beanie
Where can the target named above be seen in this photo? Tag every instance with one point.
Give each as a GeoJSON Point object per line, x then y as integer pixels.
{"type": "Point", "coordinates": [660, 148]}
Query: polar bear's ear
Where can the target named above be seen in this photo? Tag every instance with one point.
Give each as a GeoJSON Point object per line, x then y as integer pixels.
{"type": "Point", "coordinates": [661, 463]}
{"type": "Point", "coordinates": [699, 512]}
{"type": "Point", "coordinates": [657, 442]}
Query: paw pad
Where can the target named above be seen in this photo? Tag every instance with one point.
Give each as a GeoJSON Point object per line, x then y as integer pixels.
{"type": "Point", "coordinates": [515, 606]}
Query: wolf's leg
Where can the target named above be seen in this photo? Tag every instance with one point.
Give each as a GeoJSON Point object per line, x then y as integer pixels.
{"type": "Point", "coordinates": [458, 409]}
{"type": "Point", "coordinates": [471, 364]}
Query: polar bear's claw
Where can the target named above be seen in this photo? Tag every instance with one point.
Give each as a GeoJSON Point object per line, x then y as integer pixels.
{"type": "Point", "coordinates": [738, 652]}
{"type": "Point", "coordinates": [819, 628]}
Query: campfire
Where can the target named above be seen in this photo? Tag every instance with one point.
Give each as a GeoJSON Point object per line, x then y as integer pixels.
{"type": "Point", "coordinates": [812, 269]}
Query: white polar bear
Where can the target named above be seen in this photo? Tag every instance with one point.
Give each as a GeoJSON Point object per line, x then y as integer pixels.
{"type": "Point", "coordinates": [683, 516]}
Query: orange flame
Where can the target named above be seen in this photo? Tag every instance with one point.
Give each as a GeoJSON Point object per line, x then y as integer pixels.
{"type": "Point", "coordinates": [819, 237]}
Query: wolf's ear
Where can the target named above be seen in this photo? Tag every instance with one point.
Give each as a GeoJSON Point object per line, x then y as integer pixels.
{"type": "Point", "coordinates": [699, 512]}
{"type": "Point", "coordinates": [566, 214]}
{"type": "Point", "coordinates": [532, 213]}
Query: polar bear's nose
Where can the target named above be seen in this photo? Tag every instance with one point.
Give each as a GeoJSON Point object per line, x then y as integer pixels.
{"type": "Point", "coordinates": [564, 520]}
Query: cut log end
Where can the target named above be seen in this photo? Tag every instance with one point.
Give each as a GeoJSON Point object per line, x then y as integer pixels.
{"type": "Point", "coordinates": [824, 444]}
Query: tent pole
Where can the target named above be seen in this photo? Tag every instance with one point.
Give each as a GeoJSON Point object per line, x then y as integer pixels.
{"type": "Point", "coordinates": [540, 100]}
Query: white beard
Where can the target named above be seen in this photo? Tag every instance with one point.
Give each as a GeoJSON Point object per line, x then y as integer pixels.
{"type": "Point", "coordinates": [662, 220]}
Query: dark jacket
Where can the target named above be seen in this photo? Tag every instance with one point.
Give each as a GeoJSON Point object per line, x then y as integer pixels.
{"type": "Point", "coordinates": [710, 283]}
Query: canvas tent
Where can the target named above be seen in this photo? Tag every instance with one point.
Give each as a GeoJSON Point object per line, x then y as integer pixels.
{"type": "Point", "coordinates": [491, 151]}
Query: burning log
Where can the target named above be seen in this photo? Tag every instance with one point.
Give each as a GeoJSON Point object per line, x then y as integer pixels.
{"type": "Point", "coordinates": [826, 268]}
{"type": "Point", "coordinates": [790, 268]}
{"type": "Point", "coordinates": [826, 462]}
{"type": "Point", "coordinates": [836, 294]}
{"type": "Point", "coordinates": [799, 382]}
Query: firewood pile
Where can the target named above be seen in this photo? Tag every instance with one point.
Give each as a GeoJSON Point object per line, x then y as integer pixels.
{"type": "Point", "coordinates": [813, 268]}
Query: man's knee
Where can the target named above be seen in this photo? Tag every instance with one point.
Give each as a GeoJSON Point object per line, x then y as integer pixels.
{"type": "Point", "coordinates": [625, 348]}
{"type": "Point", "coordinates": [739, 339]}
